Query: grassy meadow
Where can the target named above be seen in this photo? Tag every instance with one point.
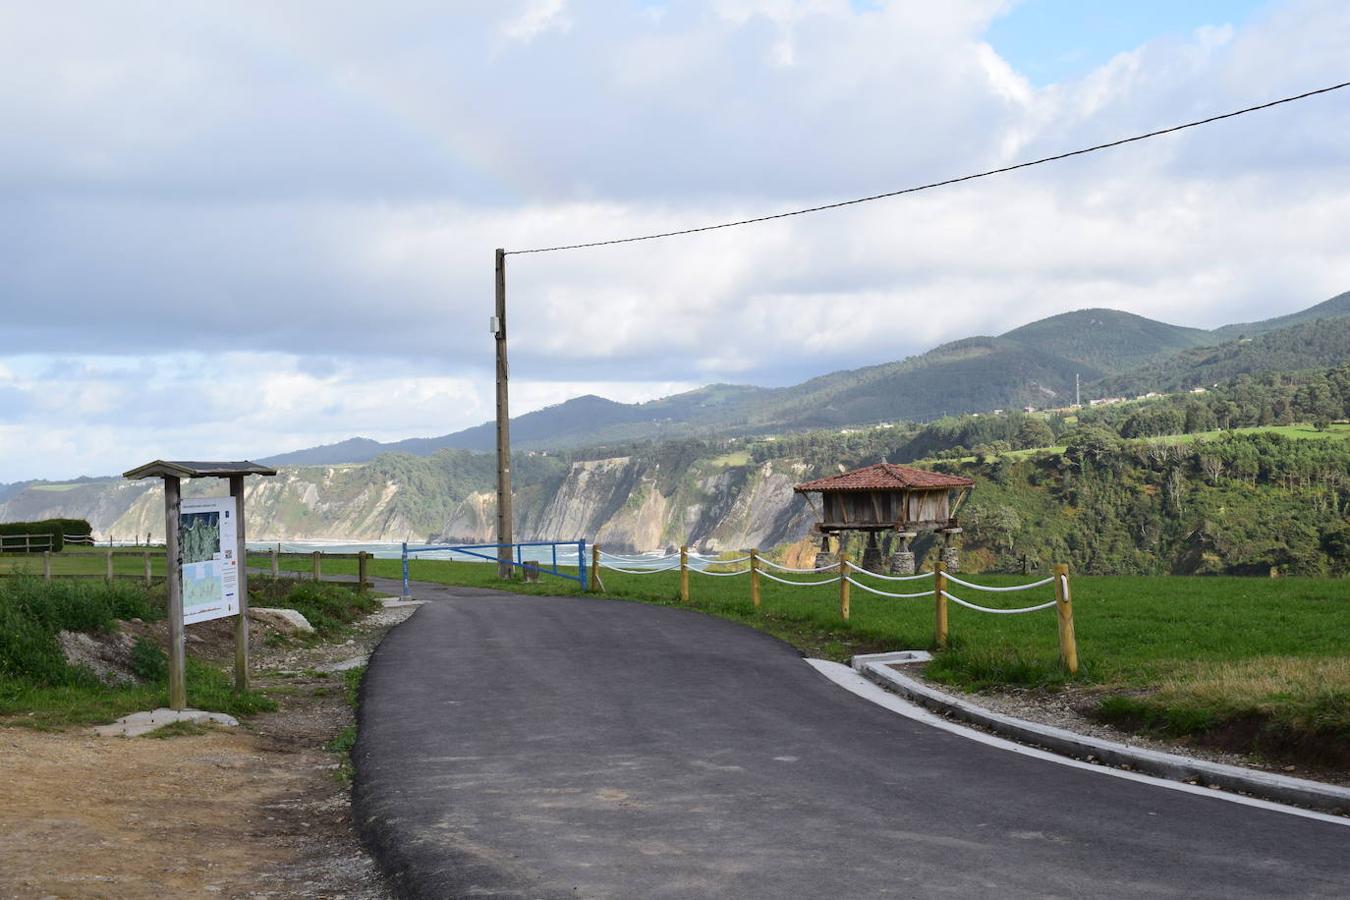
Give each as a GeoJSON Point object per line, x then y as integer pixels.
{"type": "Point", "coordinates": [39, 689]}
{"type": "Point", "coordinates": [1261, 664]}
{"type": "Point", "coordinates": [90, 562]}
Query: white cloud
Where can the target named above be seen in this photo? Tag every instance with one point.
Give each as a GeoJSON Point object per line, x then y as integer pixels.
{"type": "Point", "coordinates": [301, 202]}
{"type": "Point", "coordinates": [538, 17]}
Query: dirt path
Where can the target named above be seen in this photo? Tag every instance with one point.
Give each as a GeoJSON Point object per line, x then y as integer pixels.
{"type": "Point", "coordinates": [258, 811]}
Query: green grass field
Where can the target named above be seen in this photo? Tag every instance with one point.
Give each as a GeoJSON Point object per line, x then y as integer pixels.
{"type": "Point", "coordinates": [86, 562]}
{"type": "Point", "coordinates": [1337, 430]}
{"type": "Point", "coordinates": [1172, 655]}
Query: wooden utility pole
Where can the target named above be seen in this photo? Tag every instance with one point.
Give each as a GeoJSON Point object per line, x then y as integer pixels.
{"type": "Point", "coordinates": [241, 556]}
{"type": "Point", "coordinates": [504, 538]}
{"type": "Point", "coordinates": [177, 633]}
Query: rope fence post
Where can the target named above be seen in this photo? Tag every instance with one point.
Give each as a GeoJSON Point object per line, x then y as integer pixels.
{"type": "Point", "coordinates": [361, 583]}
{"type": "Point", "coordinates": [318, 566]}
{"type": "Point", "coordinates": [684, 574]}
{"type": "Point", "coordinates": [754, 577]}
{"type": "Point", "coordinates": [110, 565]}
{"type": "Point", "coordinates": [596, 586]}
{"type": "Point", "coordinates": [147, 568]}
{"type": "Point", "coordinates": [1068, 644]}
{"type": "Point", "coordinates": [843, 586]}
{"type": "Point", "coordinates": [940, 605]}
{"type": "Point", "coordinates": [46, 565]}
{"type": "Point", "coordinates": [276, 561]}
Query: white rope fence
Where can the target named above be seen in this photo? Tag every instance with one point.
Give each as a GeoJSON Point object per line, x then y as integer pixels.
{"type": "Point", "coordinates": [989, 609]}
{"type": "Point", "coordinates": [872, 574]}
{"type": "Point", "coordinates": [986, 587]}
{"type": "Point", "coordinates": [880, 593]}
{"type": "Point", "coordinates": [789, 581]}
{"type": "Point", "coordinates": [781, 568]}
{"type": "Point", "coordinates": [651, 571]}
{"type": "Point", "coordinates": [846, 574]}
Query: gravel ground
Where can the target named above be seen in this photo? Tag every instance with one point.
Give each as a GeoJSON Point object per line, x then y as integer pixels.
{"type": "Point", "coordinates": [254, 812]}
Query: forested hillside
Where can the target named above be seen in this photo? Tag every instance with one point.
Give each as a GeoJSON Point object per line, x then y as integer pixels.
{"type": "Point", "coordinates": [1303, 346]}
{"type": "Point", "coordinates": [1250, 475]}
{"type": "Point", "coordinates": [1110, 352]}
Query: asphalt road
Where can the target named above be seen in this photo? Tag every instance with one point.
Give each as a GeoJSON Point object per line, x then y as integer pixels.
{"type": "Point", "coordinates": [548, 747]}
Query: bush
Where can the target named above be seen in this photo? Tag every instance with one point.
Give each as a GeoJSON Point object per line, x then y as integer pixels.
{"type": "Point", "coordinates": [329, 607]}
{"type": "Point", "coordinates": [48, 536]}
{"type": "Point", "coordinates": [32, 612]}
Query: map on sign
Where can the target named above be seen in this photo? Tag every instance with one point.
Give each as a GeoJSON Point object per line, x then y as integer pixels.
{"type": "Point", "coordinates": [208, 547]}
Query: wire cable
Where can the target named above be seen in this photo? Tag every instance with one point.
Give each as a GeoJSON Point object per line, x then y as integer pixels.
{"type": "Point", "coordinates": [937, 184]}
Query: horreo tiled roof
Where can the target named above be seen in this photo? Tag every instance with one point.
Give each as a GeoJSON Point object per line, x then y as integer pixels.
{"type": "Point", "coordinates": [885, 477]}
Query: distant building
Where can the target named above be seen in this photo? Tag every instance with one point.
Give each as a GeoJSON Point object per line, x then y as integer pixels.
{"type": "Point", "coordinates": [889, 498]}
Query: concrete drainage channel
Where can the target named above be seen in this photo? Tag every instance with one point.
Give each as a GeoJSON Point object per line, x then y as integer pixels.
{"type": "Point", "coordinates": [877, 668]}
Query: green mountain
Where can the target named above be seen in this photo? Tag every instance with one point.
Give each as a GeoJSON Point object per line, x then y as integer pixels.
{"type": "Point", "coordinates": [1306, 345]}
{"type": "Point", "coordinates": [1106, 341]}
{"type": "Point", "coordinates": [1327, 309]}
{"type": "Point", "coordinates": [1033, 365]}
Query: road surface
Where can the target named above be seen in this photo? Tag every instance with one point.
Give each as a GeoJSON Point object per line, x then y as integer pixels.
{"type": "Point", "coordinates": [540, 747]}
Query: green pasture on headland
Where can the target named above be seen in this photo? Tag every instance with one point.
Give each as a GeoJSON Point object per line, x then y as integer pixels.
{"type": "Point", "coordinates": [1263, 663]}
{"type": "Point", "coordinates": [1305, 432]}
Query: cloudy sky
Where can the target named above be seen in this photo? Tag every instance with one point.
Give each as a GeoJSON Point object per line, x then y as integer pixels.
{"type": "Point", "coordinates": [229, 230]}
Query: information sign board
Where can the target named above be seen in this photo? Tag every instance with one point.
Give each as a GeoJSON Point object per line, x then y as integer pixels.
{"type": "Point", "coordinates": [209, 547]}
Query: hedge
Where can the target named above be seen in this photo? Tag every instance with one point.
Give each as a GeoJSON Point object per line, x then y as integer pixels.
{"type": "Point", "coordinates": [11, 542]}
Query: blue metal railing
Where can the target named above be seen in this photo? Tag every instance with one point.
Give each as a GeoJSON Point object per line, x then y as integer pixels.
{"type": "Point", "coordinates": [516, 559]}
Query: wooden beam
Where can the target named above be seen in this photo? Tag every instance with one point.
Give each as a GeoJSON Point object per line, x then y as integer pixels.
{"type": "Point", "coordinates": [177, 633]}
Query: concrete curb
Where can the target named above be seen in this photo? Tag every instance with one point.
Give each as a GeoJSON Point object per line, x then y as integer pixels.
{"type": "Point", "coordinates": [876, 667]}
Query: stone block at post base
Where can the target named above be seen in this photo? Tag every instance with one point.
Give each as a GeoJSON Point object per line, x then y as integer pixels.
{"type": "Point", "coordinates": [902, 563]}
{"type": "Point", "coordinates": [951, 559]}
{"type": "Point", "coordinates": [871, 559]}
{"type": "Point", "coordinates": [823, 556]}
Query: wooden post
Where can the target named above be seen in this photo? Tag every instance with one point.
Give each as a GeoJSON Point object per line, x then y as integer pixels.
{"type": "Point", "coordinates": [361, 570]}
{"type": "Point", "coordinates": [46, 565]}
{"type": "Point", "coordinates": [1068, 644]}
{"type": "Point", "coordinates": [596, 587]}
{"type": "Point", "coordinates": [684, 574]}
{"type": "Point", "coordinates": [940, 605]}
{"type": "Point", "coordinates": [241, 556]}
{"type": "Point", "coordinates": [276, 563]}
{"type": "Point", "coordinates": [843, 586]}
{"type": "Point", "coordinates": [754, 577]}
{"type": "Point", "coordinates": [318, 566]}
{"type": "Point", "coordinates": [148, 580]}
{"type": "Point", "coordinates": [177, 633]}
{"type": "Point", "coordinates": [109, 574]}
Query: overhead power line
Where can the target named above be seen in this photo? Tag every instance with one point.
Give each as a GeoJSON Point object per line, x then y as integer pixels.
{"type": "Point", "coordinates": [937, 184]}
